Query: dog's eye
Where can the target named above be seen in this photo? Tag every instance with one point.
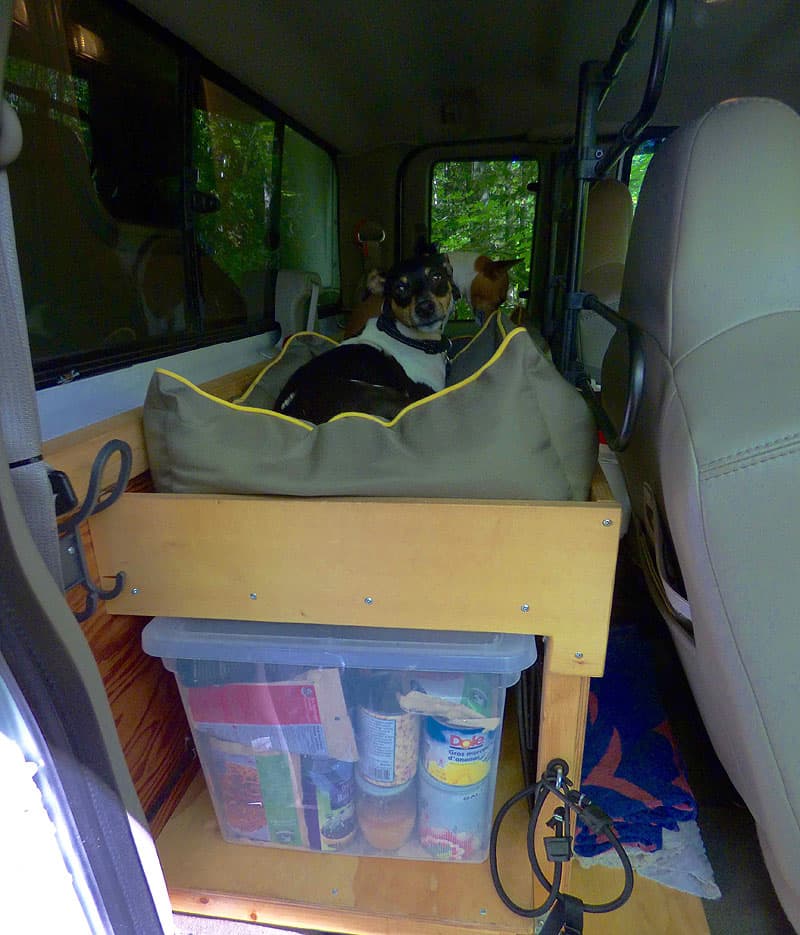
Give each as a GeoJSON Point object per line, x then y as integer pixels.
{"type": "Point", "coordinates": [438, 282]}
{"type": "Point", "coordinates": [401, 289]}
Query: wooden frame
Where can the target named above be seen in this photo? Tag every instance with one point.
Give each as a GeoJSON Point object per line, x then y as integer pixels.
{"type": "Point", "coordinates": [543, 568]}
{"type": "Point", "coordinates": [494, 566]}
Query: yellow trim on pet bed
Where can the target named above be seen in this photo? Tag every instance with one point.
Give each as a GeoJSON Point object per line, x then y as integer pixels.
{"type": "Point", "coordinates": [239, 407]}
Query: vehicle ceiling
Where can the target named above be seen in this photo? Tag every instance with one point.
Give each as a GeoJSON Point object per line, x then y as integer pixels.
{"type": "Point", "coordinates": [384, 72]}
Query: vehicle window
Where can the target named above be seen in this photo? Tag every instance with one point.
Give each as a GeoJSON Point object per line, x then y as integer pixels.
{"type": "Point", "coordinates": [639, 162]}
{"type": "Point", "coordinates": [235, 154]}
{"type": "Point", "coordinates": [309, 205]}
{"type": "Point", "coordinates": [486, 206]}
{"type": "Point", "coordinates": [145, 199]}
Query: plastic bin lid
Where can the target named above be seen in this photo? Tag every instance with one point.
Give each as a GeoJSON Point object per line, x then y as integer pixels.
{"type": "Point", "coordinates": [329, 646]}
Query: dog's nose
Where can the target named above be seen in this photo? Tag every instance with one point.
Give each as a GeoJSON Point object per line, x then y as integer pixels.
{"type": "Point", "coordinates": [425, 309]}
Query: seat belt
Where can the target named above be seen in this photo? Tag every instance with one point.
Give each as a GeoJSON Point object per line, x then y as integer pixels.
{"type": "Point", "coordinates": [19, 415]}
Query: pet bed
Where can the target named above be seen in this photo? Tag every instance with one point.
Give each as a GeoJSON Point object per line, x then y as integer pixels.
{"type": "Point", "coordinates": [506, 426]}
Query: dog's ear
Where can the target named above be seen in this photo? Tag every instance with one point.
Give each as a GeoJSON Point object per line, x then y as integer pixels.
{"type": "Point", "coordinates": [423, 248]}
{"type": "Point", "coordinates": [375, 282]}
{"type": "Point", "coordinates": [493, 269]}
{"type": "Point", "coordinates": [447, 265]}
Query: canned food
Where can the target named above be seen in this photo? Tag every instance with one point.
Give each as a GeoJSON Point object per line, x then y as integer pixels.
{"type": "Point", "coordinates": [388, 746]}
{"type": "Point", "coordinates": [458, 756]}
{"type": "Point", "coordinates": [453, 821]}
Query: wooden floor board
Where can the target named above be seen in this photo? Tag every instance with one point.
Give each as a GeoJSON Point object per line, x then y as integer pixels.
{"type": "Point", "coordinates": [368, 896]}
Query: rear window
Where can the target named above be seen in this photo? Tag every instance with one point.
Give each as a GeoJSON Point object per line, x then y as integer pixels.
{"type": "Point", "coordinates": [488, 206]}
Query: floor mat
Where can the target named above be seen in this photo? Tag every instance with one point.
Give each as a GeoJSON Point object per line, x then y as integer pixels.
{"type": "Point", "coordinates": [633, 770]}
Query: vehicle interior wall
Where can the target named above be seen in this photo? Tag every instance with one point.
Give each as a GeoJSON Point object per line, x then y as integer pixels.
{"type": "Point", "coordinates": [366, 197]}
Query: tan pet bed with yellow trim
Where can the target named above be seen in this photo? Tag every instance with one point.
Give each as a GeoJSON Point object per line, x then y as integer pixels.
{"type": "Point", "coordinates": [506, 426]}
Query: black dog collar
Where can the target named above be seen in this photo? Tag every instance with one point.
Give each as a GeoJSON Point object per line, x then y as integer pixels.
{"type": "Point", "coordinates": [386, 323]}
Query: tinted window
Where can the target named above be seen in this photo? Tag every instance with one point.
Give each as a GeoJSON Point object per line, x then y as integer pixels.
{"type": "Point", "coordinates": [145, 196]}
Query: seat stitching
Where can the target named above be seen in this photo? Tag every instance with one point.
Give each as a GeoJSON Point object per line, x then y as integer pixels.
{"type": "Point", "coordinates": [764, 446]}
{"type": "Point", "coordinates": [750, 462]}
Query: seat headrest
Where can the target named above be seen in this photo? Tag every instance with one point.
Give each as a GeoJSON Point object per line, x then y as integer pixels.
{"type": "Point", "coordinates": [716, 237]}
{"type": "Point", "coordinates": [10, 135]}
{"type": "Point", "coordinates": [609, 213]}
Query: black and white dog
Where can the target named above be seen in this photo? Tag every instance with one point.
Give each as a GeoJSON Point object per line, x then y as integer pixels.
{"type": "Point", "coordinates": [397, 358]}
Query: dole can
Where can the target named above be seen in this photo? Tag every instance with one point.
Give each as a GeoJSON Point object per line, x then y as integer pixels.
{"type": "Point", "coordinates": [457, 756]}
{"type": "Point", "coordinates": [453, 821]}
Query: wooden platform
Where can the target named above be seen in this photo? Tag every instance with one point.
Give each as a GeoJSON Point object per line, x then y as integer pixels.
{"type": "Point", "coordinates": [539, 568]}
{"type": "Point", "coordinates": [370, 896]}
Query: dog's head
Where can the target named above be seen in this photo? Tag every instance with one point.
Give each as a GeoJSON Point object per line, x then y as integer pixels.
{"type": "Point", "coordinates": [418, 292]}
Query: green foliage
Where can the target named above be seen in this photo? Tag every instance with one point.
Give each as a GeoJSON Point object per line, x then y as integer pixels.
{"type": "Point", "coordinates": [234, 161]}
{"type": "Point", "coordinates": [639, 166]}
{"type": "Point", "coordinates": [484, 205]}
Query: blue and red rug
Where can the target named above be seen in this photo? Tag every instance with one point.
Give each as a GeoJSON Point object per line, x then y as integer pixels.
{"type": "Point", "coordinates": [633, 770]}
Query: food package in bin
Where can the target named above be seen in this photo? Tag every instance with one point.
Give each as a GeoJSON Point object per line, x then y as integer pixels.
{"type": "Point", "coordinates": [281, 798]}
{"type": "Point", "coordinates": [306, 715]}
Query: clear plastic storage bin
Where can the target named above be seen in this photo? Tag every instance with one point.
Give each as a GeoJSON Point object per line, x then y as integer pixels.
{"type": "Point", "coordinates": [346, 739]}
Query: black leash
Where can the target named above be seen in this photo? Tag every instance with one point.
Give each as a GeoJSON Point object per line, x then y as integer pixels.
{"type": "Point", "coordinates": [566, 912]}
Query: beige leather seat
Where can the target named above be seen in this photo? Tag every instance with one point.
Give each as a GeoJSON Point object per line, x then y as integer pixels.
{"type": "Point", "coordinates": [609, 213]}
{"type": "Point", "coordinates": [712, 279]}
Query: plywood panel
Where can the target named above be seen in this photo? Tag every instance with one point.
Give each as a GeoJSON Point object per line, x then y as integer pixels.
{"type": "Point", "coordinates": [144, 701]}
{"type": "Point", "coordinates": [652, 908]}
{"type": "Point", "coordinates": [496, 566]}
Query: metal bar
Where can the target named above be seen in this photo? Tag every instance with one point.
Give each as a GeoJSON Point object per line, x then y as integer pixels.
{"type": "Point", "coordinates": [596, 79]}
{"type": "Point", "coordinates": [630, 134]}
{"type": "Point", "coordinates": [625, 41]}
{"type": "Point", "coordinates": [590, 87]}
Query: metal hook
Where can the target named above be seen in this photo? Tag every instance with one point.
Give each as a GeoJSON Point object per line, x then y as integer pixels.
{"type": "Point", "coordinates": [73, 556]}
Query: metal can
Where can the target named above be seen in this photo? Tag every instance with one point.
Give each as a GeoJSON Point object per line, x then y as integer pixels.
{"type": "Point", "coordinates": [458, 756]}
{"type": "Point", "coordinates": [453, 821]}
{"type": "Point", "coordinates": [388, 746]}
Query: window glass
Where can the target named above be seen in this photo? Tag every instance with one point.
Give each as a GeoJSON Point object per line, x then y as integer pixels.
{"type": "Point", "coordinates": [486, 206]}
{"type": "Point", "coordinates": [233, 150]}
{"type": "Point", "coordinates": [151, 201]}
{"type": "Point", "coordinates": [308, 229]}
{"type": "Point", "coordinates": [89, 188]}
{"type": "Point", "coordinates": [639, 162]}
